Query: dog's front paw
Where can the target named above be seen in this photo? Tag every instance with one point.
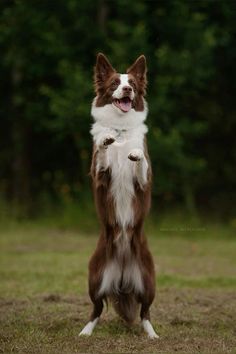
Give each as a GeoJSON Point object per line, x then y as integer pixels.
{"type": "Point", "coordinates": [109, 139]}
{"type": "Point", "coordinates": [136, 155]}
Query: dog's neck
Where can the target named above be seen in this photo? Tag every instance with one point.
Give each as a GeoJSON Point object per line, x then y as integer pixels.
{"type": "Point", "coordinates": [109, 117]}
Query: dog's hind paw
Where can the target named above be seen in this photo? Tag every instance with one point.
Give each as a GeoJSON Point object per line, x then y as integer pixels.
{"type": "Point", "coordinates": [88, 329]}
{"type": "Point", "coordinates": [147, 326]}
{"type": "Point", "coordinates": [153, 336]}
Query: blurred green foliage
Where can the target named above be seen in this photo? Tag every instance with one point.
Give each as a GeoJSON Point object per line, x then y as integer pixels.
{"type": "Point", "coordinates": [48, 51]}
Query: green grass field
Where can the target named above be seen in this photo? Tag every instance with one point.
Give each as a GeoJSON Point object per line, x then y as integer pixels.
{"type": "Point", "coordinates": [44, 302]}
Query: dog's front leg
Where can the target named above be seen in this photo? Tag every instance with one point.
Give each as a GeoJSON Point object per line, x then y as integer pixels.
{"type": "Point", "coordinates": [102, 146]}
{"type": "Point", "coordinates": [141, 168]}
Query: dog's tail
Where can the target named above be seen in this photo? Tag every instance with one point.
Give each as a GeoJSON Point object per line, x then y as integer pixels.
{"type": "Point", "coordinates": [125, 305]}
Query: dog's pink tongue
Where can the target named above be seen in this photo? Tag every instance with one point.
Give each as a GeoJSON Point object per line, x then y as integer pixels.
{"type": "Point", "coordinates": [125, 104]}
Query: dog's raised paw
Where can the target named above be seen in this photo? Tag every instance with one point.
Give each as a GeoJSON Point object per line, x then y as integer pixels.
{"type": "Point", "coordinates": [136, 155]}
{"type": "Point", "coordinates": [108, 140]}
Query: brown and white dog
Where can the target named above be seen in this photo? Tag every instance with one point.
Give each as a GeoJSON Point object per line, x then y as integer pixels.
{"type": "Point", "coordinates": [121, 268]}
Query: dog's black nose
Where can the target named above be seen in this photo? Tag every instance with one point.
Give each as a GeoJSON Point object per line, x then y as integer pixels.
{"type": "Point", "coordinates": [127, 89]}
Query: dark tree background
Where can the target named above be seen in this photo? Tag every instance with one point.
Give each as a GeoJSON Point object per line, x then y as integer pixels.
{"type": "Point", "coordinates": [48, 50]}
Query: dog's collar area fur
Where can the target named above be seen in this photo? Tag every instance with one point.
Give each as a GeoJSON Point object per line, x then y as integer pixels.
{"type": "Point", "coordinates": [119, 134]}
{"type": "Point", "coordinates": [108, 117]}
{"type": "Point", "coordinates": [119, 131]}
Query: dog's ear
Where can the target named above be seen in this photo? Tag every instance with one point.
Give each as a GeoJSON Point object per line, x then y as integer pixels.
{"type": "Point", "coordinates": [103, 68]}
{"type": "Point", "coordinates": [138, 68]}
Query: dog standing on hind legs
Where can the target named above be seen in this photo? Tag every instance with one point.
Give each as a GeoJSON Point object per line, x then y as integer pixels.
{"type": "Point", "coordinates": [121, 268]}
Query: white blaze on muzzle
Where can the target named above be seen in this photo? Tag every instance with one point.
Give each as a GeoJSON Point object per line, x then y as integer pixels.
{"type": "Point", "coordinates": [122, 99]}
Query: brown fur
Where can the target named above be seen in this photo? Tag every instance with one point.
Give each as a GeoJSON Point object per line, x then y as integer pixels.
{"type": "Point", "coordinates": [106, 79]}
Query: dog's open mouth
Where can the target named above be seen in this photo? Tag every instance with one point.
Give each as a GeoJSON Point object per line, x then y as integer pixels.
{"type": "Point", "coordinates": [124, 103]}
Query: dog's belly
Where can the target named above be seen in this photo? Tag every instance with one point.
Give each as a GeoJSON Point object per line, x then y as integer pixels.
{"type": "Point", "coordinates": [117, 278]}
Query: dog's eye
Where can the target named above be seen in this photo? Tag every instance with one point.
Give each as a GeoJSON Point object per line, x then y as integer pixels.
{"type": "Point", "coordinates": [131, 82]}
{"type": "Point", "coordinates": [115, 82]}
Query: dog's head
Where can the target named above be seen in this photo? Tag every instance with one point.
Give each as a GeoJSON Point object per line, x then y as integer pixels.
{"type": "Point", "coordinates": [122, 91]}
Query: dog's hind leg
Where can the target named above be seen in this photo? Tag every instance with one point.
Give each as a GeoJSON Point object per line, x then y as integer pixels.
{"type": "Point", "coordinates": [148, 295]}
{"type": "Point", "coordinates": [145, 318]}
{"type": "Point", "coordinates": [96, 265]}
{"type": "Point", "coordinates": [147, 326]}
{"type": "Point", "coordinates": [97, 310]}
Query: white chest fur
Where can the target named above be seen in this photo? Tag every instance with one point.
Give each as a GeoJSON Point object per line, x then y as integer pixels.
{"type": "Point", "coordinates": [122, 168]}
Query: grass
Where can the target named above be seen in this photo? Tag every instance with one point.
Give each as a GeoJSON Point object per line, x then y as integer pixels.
{"type": "Point", "coordinates": [44, 302]}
